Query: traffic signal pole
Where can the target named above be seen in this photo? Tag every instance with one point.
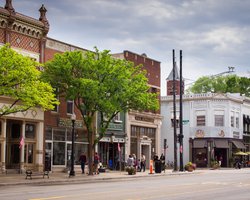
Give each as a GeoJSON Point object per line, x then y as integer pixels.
{"type": "Point", "coordinates": [181, 116]}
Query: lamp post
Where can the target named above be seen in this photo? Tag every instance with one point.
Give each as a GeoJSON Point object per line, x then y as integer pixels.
{"type": "Point", "coordinates": [72, 171]}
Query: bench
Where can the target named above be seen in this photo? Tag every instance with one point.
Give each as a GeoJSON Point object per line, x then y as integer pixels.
{"type": "Point", "coordinates": [30, 174]}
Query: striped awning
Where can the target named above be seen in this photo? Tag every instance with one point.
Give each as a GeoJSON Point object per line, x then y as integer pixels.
{"type": "Point", "coordinates": [239, 144]}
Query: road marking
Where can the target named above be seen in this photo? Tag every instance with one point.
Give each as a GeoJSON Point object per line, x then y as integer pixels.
{"type": "Point", "coordinates": [58, 197]}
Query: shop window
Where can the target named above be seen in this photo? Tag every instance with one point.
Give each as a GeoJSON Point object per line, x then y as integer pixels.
{"type": "Point", "coordinates": [201, 120]}
{"type": "Point", "coordinates": [29, 153]}
{"type": "Point", "coordinates": [58, 153]}
{"type": "Point", "coordinates": [219, 120]}
{"type": "Point", "coordinates": [59, 135]}
{"type": "Point", "coordinates": [15, 130]}
{"type": "Point", "coordinates": [30, 131]}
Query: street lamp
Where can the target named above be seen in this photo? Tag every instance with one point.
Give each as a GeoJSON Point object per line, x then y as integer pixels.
{"type": "Point", "coordinates": [72, 171]}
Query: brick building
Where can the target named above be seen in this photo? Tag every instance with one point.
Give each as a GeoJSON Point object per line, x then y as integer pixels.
{"type": "Point", "coordinates": [143, 129]}
{"type": "Point", "coordinates": [47, 135]}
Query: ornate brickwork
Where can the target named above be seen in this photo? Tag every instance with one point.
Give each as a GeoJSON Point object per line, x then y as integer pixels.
{"type": "Point", "coordinates": [1, 36]}
{"type": "Point", "coordinates": [24, 42]}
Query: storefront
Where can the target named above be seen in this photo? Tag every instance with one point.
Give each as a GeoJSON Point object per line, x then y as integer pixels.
{"type": "Point", "coordinates": [21, 141]}
{"type": "Point", "coordinates": [204, 150]}
{"type": "Point", "coordinates": [58, 145]}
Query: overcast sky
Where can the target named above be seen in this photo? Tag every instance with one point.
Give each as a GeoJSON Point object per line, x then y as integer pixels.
{"type": "Point", "coordinates": [213, 34]}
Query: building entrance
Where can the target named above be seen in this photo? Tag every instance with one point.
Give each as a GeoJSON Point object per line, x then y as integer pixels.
{"type": "Point", "coordinates": [12, 146]}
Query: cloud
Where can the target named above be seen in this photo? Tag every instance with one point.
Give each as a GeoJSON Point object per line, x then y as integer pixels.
{"type": "Point", "coordinates": [212, 34]}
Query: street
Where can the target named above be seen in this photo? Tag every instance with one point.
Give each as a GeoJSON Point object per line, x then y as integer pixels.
{"type": "Point", "coordinates": [228, 184]}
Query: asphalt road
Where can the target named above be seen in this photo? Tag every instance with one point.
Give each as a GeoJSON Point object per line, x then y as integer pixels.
{"type": "Point", "coordinates": [206, 185]}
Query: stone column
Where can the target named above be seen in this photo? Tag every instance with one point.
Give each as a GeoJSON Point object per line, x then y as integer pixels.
{"type": "Point", "coordinates": [3, 146]}
{"type": "Point", "coordinates": [39, 146]}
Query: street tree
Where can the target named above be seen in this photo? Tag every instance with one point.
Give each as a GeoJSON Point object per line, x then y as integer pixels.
{"type": "Point", "coordinates": [21, 84]}
{"type": "Point", "coordinates": [222, 84]}
{"type": "Point", "coordinates": [99, 83]}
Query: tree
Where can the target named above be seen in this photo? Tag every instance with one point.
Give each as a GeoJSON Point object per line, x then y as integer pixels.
{"type": "Point", "coordinates": [20, 83]}
{"type": "Point", "coordinates": [99, 83]}
{"type": "Point", "coordinates": [222, 84]}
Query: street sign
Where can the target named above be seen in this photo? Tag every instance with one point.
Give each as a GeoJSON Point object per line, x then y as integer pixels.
{"type": "Point", "coordinates": [185, 121]}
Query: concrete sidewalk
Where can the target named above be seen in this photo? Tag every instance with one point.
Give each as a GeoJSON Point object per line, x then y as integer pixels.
{"type": "Point", "coordinates": [63, 178]}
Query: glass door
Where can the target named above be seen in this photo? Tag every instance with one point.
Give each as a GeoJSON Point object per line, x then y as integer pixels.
{"type": "Point", "coordinates": [48, 156]}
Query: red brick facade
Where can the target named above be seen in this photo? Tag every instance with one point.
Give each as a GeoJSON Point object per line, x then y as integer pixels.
{"type": "Point", "coordinates": [152, 67]}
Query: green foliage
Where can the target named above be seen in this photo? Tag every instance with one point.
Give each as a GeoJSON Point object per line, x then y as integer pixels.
{"type": "Point", "coordinates": [222, 84]}
{"type": "Point", "coordinates": [20, 81]}
{"type": "Point", "coordinates": [97, 82]}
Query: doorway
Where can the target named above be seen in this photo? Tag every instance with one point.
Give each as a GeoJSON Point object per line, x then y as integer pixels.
{"type": "Point", "coordinates": [145, 150]}
{"type": "Point", "coordinates": [12, 145]}
{"type": "Point", "coordinates": [221, 154]}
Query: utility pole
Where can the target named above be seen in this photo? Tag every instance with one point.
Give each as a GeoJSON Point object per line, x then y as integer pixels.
{"type": "Point", "coordinates": [180, 123]}
{"type": "Point", "coordinates": [174, 105]}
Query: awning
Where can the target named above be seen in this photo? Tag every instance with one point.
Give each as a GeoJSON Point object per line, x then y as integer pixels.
{"type": "Point", "coordinates": [221, 144]}
{"type": "Point", "coordinates": [199, 143]}
{"type": "Point", "coordinates": [240, 153]}
{"type": "Point", "coordinates": [239, 144]}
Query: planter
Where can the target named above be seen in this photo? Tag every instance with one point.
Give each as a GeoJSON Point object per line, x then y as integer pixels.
{"type": "Point", "coordinates": [131, 170]}
{"type": "Point", "coordinates": [190, 169]}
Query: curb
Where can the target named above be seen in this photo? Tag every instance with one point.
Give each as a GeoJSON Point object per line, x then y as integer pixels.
{"type": "Point", "coordinates": [92, 179]}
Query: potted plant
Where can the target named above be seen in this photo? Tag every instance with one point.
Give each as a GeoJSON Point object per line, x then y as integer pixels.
{"type": "Point", "coordinates": [214, 164]}
{"type": "Point", "coordinates": [131, 170]}
{"type": "Point", "coordinates": [190, 167]}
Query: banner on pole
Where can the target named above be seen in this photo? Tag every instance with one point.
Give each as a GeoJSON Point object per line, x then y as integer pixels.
{"type": "Point", "coordinates": [21, 142]}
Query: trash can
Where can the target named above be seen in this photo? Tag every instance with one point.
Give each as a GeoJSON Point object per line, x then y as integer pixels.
{"type": "Point", "coordinates": [158, 166]}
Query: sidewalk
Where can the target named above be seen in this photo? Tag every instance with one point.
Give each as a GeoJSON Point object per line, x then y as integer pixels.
{"type": "Point", "coordinates": [63, 178]}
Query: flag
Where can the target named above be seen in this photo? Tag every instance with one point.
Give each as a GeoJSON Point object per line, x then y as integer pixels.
{"type": "Point", "coordinates": [119, 148]}
{"type": "Point", "coordinates": [21, 142]}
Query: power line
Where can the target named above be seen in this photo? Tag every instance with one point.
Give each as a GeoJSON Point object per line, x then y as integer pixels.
{"type": "Point", "coordinates": [229, 71]}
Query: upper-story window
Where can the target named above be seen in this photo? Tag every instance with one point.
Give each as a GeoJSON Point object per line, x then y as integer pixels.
{"type": "Point", "coordinates": [30, 131]}
{"type": "Point", "coordinates": [117, 118]}
{"type": "Point", "coordinates": [201, 120]}
{"type": "Point", "coordinates": [218, 120]}
{"type": "Point", "coordinates": [70, 105]}
{"type": "Point", "coordinates": [237, 122]}
{"type": "Point", "coordinates": [232, 121]}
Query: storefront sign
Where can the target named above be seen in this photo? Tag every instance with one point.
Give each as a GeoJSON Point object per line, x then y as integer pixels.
{"type": "Point", "coordinates": [64, 122]}
{"type": "Point", "coordinates": [144, 119]}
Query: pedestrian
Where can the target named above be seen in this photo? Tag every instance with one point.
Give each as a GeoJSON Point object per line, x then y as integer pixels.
{"type": "Point", "coordinates": [130, 161]}
{"type": "Point", "coordinates": [220, 160]}
{"type": "Point", "coordinates": [96, 163]}
{"type": "Point", "coordinates": [162, 158]}
{"type": "Point", "coordinates": [135, 162]}
{"type": "Point", "coordinates": [82, 160]}
{"type": "Point", "coordinates": [143, 162]}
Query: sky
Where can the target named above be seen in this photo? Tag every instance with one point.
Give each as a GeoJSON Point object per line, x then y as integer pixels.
{"type": "Point", "coordinates": [212, 34]}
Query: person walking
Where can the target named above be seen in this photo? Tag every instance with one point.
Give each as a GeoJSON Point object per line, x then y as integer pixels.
{"type": "Point", "coordinates": [143, 163]}
{"type": "Point", "coordinates": [96, 163]}
{"type": "Point", "coordinates": [82, 160]}
{"type": "Point", "coordinates": [162, 158]}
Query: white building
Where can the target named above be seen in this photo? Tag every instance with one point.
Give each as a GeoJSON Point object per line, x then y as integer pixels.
{"type": "Point", "coordinates": [213, 126]}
